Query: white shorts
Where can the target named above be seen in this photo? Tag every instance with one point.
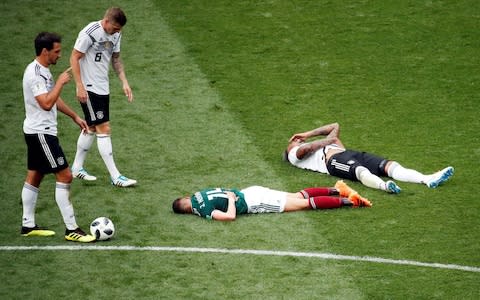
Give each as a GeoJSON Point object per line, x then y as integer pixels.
{"type": "Point", "coordinates": [264, 200]}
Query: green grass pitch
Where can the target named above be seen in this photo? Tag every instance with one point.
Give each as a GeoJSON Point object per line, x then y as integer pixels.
{"type": "Point", "coordinates": [219, 88]}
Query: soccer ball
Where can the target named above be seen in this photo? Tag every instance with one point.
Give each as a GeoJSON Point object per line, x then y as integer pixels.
{"type": "Point", "coordinates": [102, 228]}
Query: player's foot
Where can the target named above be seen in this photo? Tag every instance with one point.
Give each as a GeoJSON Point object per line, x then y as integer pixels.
{"type": "Point", "coordinates": [440, 177]}
{"type": "Point", "coordinates": [77, 235]}
{"type": "Point", "coordinates": [36, 231]}
{"type": "Point", "coordinates": [83, 174]}
{"type": "Point", "coordinates": [359, 201]}
{"type": "Point", "coordinates": [343, 189]}
{"type": "Point", "coordinates": [392, 187]}
{"type": "Point", "coordinates": [123, 181]}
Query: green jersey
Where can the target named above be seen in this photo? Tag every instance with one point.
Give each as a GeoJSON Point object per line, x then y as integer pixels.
{"type": "Point", "coordinates": [206, 201]}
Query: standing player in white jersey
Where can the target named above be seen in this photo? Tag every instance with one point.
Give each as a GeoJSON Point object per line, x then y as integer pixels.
{"type": "Point", "coordinates": [329, 156]}
{"type": "Point", "coordinates": [42, 100]}
{"type": "Point", "coordinates": [96, 46]}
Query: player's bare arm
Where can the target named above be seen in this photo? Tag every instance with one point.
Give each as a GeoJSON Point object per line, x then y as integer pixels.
{"type": "Point", "coordinates": [64, 108]}
{"type": "Point", "coordinates": [75, 57]}
{"type": "Point", "coordinates": [48, 100]}
{"type": "Point", "coordinates": [231, 212]}
{"type": "Point", "coordinates": [307, 149]}
{"type": "Point", "coordinates": [329, 130]}
{"type": "Point", "coordinates": [117, 66]}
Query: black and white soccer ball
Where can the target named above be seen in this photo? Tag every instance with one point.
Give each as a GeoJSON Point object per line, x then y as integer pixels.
{"type": "Point", "coordinates": [102, 228]}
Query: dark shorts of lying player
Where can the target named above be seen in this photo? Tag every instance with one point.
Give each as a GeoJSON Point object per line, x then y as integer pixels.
{"type": "Point", "coordinates": [225, 204]}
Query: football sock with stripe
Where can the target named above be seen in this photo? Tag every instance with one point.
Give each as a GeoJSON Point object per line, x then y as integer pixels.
{"type": "Point", "coordinates": [318, 191]}
{"type": "Point", "coordinates": [29, 201]}
{"type": "Point", "coordinates": [104, 143]}
{"type": "Point", "coordinates": [398, 172]}
{"type": "Point", "coordinates": [62, 194]}
{"type": "Point", "coordinates": [369, 179]}
{"type": "Point", "coordinates": [325, 202]}
{"type": "Point", "coordinates": [84, 143]}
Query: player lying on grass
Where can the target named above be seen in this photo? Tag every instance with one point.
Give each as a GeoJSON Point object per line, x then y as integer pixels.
{"type": "Point", "coordinates": [225, 204]}
{"type": "Point", "coordinates": [328, 155]}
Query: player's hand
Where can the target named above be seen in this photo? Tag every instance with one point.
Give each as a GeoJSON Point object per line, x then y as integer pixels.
{"type": "Point", "coordinates": [82, 123]}
{"type": "Point", "coordinates": [82, 94]}
{"type": "Point", "coordinates": [128, 92]}
{"type": "Point", "coordinates": [299, 137]}
{"type": "Point", "coordinates": [65, 77]}
{"type": "Point", "coordinates": [231, 195]}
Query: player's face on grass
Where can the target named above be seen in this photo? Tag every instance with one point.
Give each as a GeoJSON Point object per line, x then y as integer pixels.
{"type": "Point", "coordinates": [54, 54]}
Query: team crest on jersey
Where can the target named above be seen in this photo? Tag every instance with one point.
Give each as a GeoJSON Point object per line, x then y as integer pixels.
{"type": "Point", "coordinates": [61, 161]}
{"type": "Point", "coordinates": [350, 162]}
{"type": "Point", "coordinates": [99, 115]}
{"type": "Point", "coordinates": [103, 45]}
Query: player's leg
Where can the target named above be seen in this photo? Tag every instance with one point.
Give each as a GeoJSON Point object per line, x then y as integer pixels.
{"type": "Point", "coordinates": [62, 196]}
{"type": "Point", "coordinates": [30, 192]}
{"type": "Point", "coordinates": [398, 172]}
{"type": "Point", "coordinates": [104, 143]}
{"type": "Point", "coordinates": [373, 181]}
{"type": "Point", "coordinates": [63, 176]}
{"type": "Point", "coordinates": [368, 169]}
{"type": "Point", "coordinates": [297, 201]}
{"type": "Point", "coordinates": [84, 143]}
{"type": "Point", "coordinates": [36, 161]}
{"type": "Point", "coordinates": [93, 110]}
{"type": "Point", "coordinates": [319, 191]}
{"type": "Point", "coordinates": [341, 189]}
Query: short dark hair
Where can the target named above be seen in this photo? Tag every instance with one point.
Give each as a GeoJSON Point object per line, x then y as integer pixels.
{"type": "Point", "coordinates": [177, 206]}
{"type": "Point", "coordinates": [116, 14]}
{"type": "Point", "coordinates": [46, 40]}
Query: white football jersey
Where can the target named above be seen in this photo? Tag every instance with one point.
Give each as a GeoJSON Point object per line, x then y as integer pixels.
{"type": "Point", "coordinates": [98, 47]}
{"type": "Point", "coordinates": [38, 80]}
{"type": "Point", "coordinates": [314, 162]}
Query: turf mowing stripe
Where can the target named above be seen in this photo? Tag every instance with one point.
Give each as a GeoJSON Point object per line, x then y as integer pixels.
{"type": "Point", "coordinates": [328, 256]}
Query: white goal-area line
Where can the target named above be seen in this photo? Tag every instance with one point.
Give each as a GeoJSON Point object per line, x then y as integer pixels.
{"type": "Point", "coordinates": [327, 256]}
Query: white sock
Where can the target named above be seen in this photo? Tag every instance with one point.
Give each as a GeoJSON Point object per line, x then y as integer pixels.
{"type": "Point", "coordinates": [29, 201]}
{"type": "Point", "coordinates": [397, 172]}
{"type": "Point", "coordinates": [104, 143]}
{"type": "Point", "coordinates": [62, 196]}
{"type": "Point", "coordinates": [369, 179]}
{"type": "Point", "coordinates": [84, 143]}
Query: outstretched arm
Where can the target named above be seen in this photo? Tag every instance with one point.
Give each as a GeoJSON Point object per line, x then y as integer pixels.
{"type": "Point", "coordinates": [231, 212]}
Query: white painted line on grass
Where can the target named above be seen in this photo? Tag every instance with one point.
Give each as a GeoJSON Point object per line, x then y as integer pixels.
{"type": "Point", "coordinates": [329, 256]}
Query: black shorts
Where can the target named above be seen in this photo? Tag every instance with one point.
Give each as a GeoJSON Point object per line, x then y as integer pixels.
{"type": "Point", "coordinates": [343, 164]}
{"type": "Point", "coordinates": [96, 109]}
{"type": "Point", "coordinates": [44, 153]}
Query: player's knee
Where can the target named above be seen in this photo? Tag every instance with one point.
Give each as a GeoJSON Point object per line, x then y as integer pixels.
{"type": "Point", "coordinates": [64, 176]}
{"type": "Point", "coordinates": [360, 172]}
{"type": "Point", "coordinates": [103, 128]}
{"type": "Point", "coordinates": [390, 167]}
